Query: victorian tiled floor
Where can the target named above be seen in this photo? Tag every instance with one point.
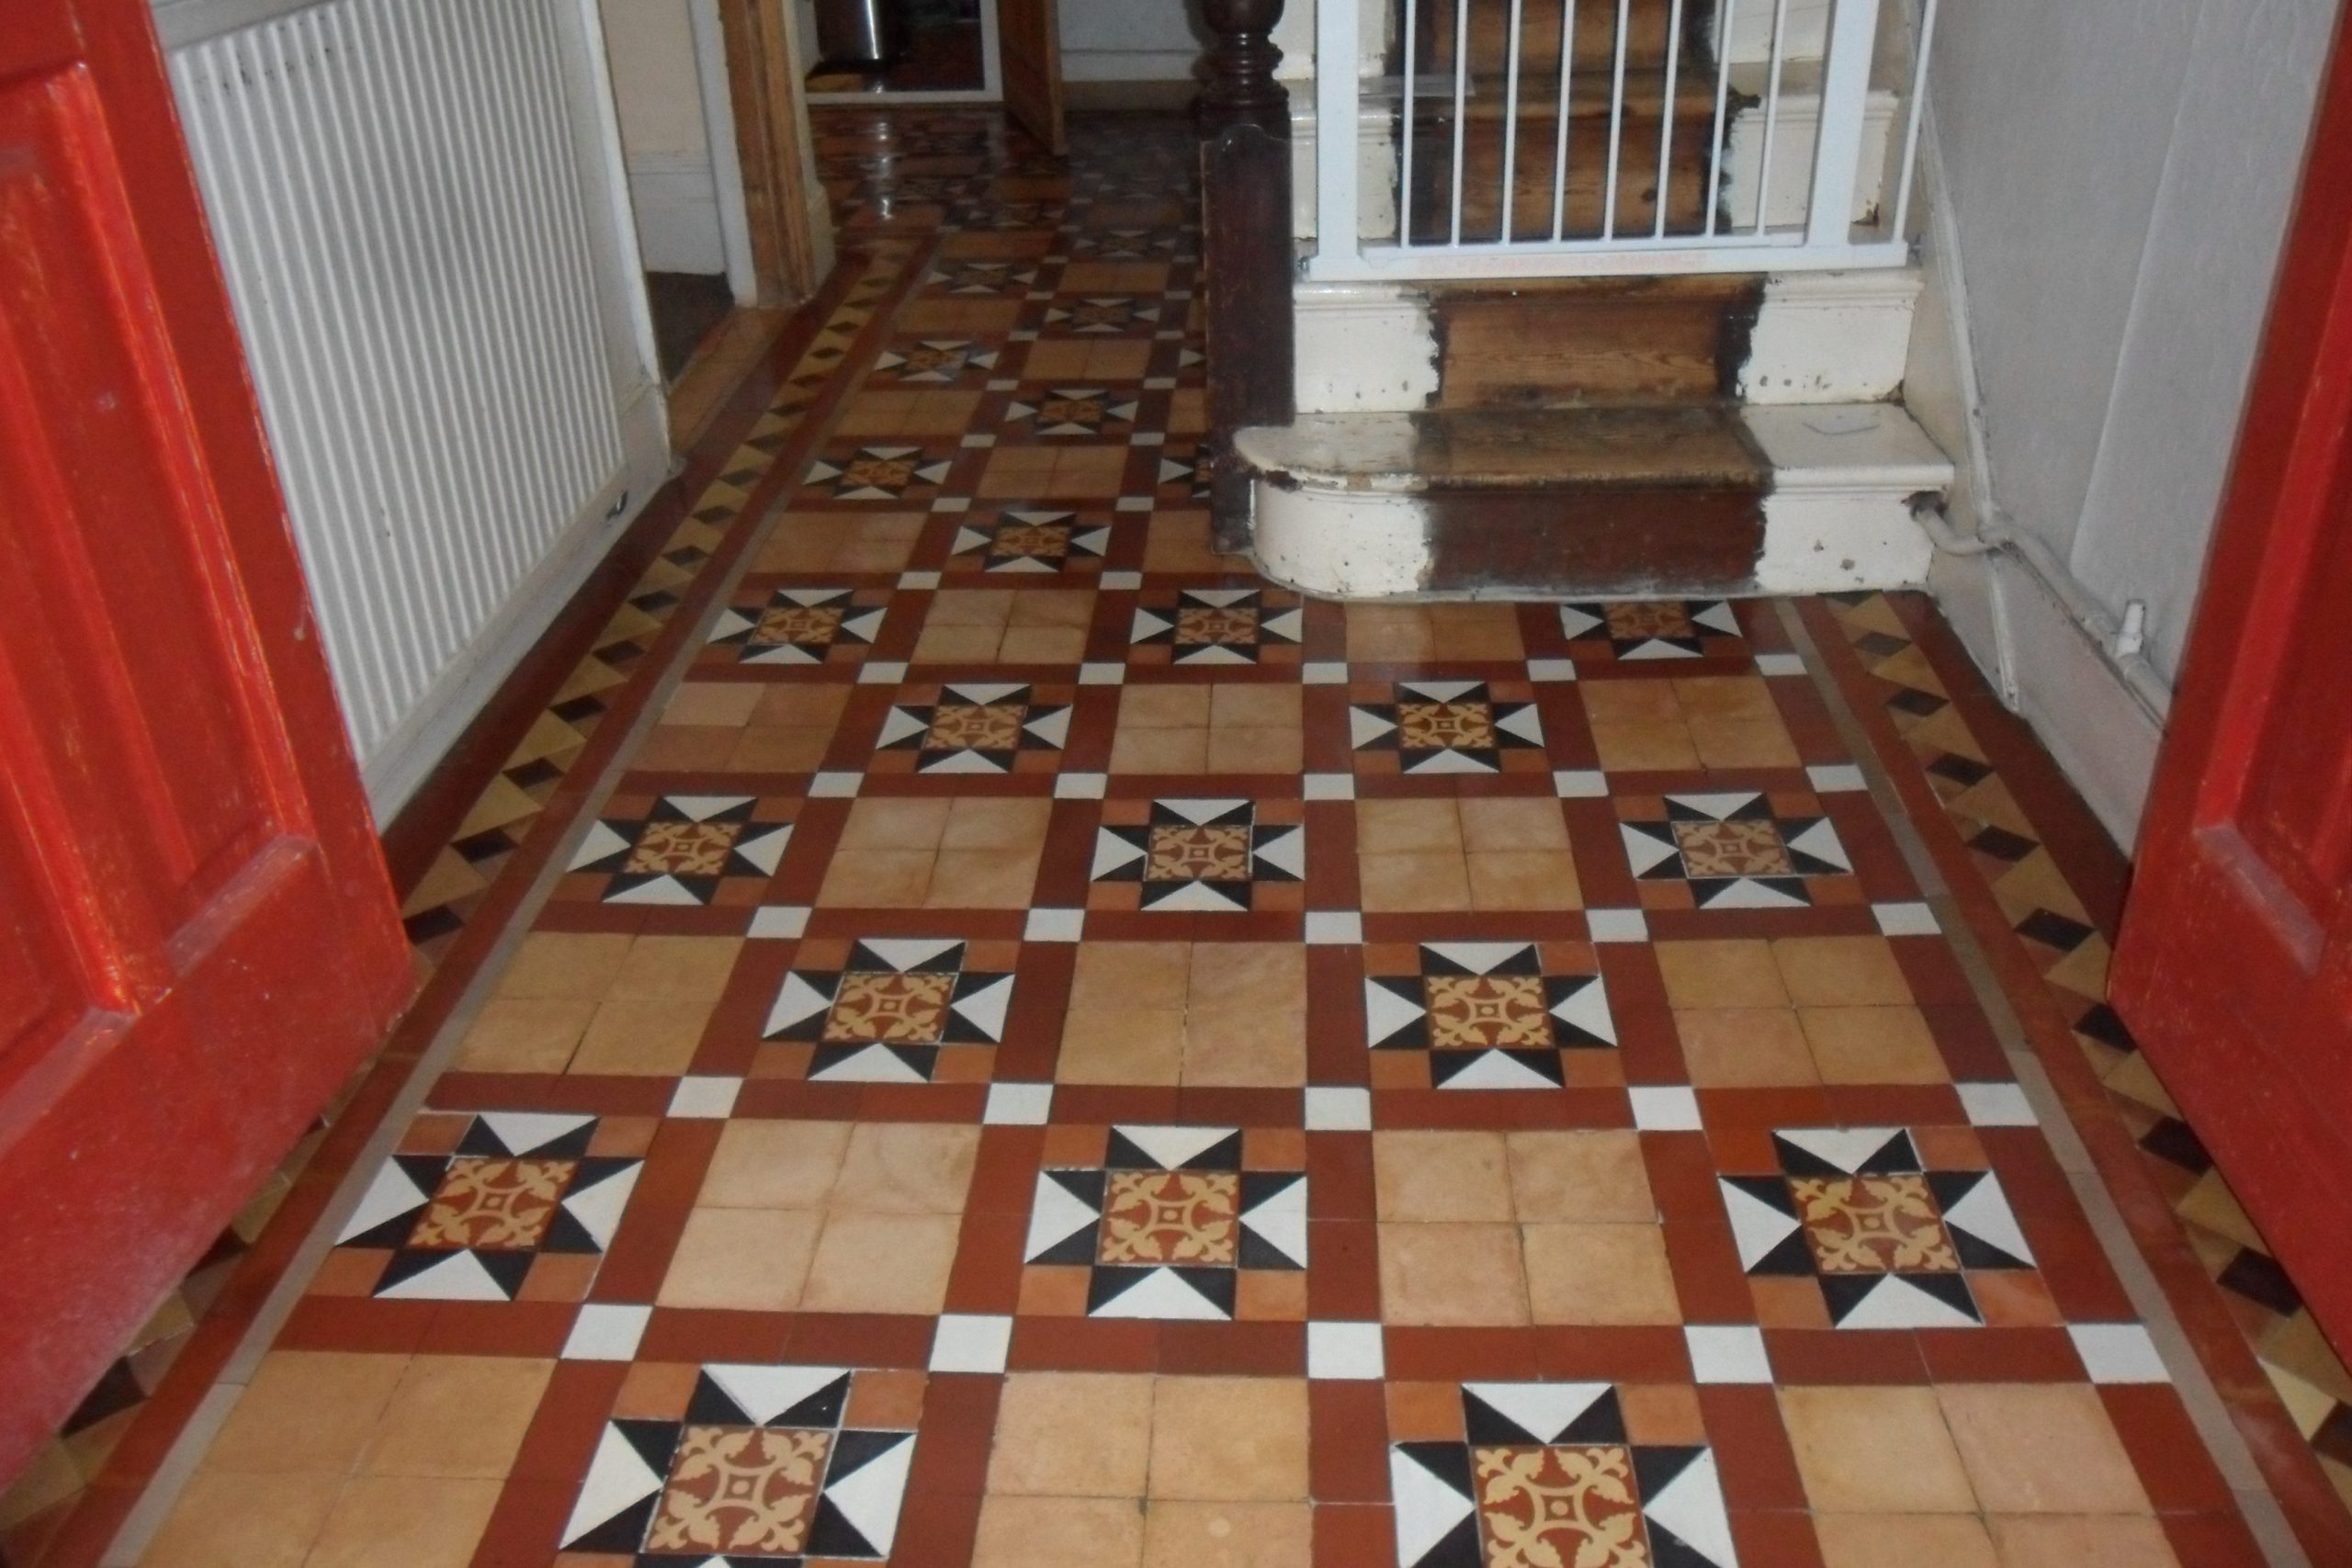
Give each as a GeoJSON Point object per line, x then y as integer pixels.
{"type": "Point", "coordinates": [1051, 1050]}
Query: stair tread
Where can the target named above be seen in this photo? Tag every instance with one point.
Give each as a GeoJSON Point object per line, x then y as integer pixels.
{"type": "Point", "coordinates": [1589, 95]}
{"type": "Point", "coordinates": [1824, 447]}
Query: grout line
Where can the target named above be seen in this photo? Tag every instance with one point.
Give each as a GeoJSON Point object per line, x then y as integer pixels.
{"type": "Point", "coordinates": [2204, 1402]}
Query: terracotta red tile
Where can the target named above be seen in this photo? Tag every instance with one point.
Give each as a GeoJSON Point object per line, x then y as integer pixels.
{"type": "Point", "coordinates": [1682, 1176]}
{"type": "Point", "coordinates": [1349, 1450]}
{"type": "Point", "coordinates": [1708, 1281]}
{"type": "Point", "coordinates": [1758, 1468]}
{"type": "Point", "coordinates": [527, 1523]}
{"type": "Point", "coordinates": [2212, 1540]}
{"type": "Point", "coordinates": [565, 1428]}
{"type": "Point", "coordinates": [342, 1323]}
{"type": "Point", "coordinates": [499, 1328]}
{"type": "Point", "coordinates": [861, 1339]}
{"type": "Point", "coordinates": [1353, 1535]}
{"type": "Point", "coordinates": [1614, 1355]}
{"type": "Point", "coordinates": [2165, 1450]}
{"type": "Point", "coordinates": [1233, 1349]}
{"type": "Point", "coordinates": [1834, 1356]}
{"type": "Point", "coordinates": [959, 1425]}
{"type": "Point", "coordinates": [1343, 1270]}
{"type": "Point", "coordinates": [680, 1334]}
{"type": "Point", "coordinates": [985, 1277]}
{"type": "Point", "coordinates": [1439, 1355]}
{"type": "Point", "coordinates": [1999, 1355]}
{"type": "Point", "coordinates": [1070, 1345]}
{"type": "Point", "coordinates": [1781, 1539]}
{"type": "Point", "coordinates": [666, 1185]}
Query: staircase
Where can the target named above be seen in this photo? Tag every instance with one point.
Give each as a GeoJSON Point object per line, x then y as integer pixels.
{"type": "Point", "coordinates": [1676, 435]}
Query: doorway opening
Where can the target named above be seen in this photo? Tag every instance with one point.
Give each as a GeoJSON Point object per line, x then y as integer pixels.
{"type": "Point", "coordinates": [940, 52]}
{"type": "Point", "coordinates": [729, 217]}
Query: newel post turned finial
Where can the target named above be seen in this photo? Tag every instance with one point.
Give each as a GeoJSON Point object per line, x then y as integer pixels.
{"type": "Point", "coordinates": [1241, 87]}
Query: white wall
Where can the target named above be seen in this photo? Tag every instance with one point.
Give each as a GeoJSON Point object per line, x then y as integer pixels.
{"type": "Point", "coordinates": [657, 90]}
{"type": "Point", "coordinates": [1130, 40]}
{"type": "Point", "coordinates": [2113, 179]}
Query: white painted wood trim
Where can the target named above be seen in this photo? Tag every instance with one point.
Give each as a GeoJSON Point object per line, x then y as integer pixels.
{"type": "Point", "coordinates": [725, 162]}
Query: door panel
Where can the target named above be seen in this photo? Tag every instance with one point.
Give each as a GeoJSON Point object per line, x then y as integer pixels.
{"type": "Point", "coordinates": [2235, 969]}
{"type": "Point", "coordinates": [201, 944]}
{"type": "Point", "coordinates": [1029, 41]}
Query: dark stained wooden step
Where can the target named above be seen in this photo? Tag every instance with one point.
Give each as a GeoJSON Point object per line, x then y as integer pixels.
{"type": "Point", "coordinates": [1647, 31]}
{"type": "Point", "coordinates": [1687, 193]}
{"type": "Point", "coordinates": [1548, 500]}
{"type": "Point", "coordinates": [1593, 342]}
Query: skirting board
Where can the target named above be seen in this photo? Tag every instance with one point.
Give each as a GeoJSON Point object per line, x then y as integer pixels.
{"type": "Point", "coordinates": [406, 756]}
{"type": "Point", "coordinates": [2060, 680]}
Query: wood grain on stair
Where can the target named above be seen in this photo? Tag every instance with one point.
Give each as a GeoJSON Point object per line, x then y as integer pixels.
{"type": "Point", "coordinates": [1572, 343]}
{"type": "Point", "coordinates": [1649, 25]}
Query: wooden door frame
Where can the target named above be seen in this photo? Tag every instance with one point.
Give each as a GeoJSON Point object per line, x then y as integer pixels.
{"type": "Point", "coordinates": [789, 259]}
{"type": "Point", "coordinates": [2290, 478]}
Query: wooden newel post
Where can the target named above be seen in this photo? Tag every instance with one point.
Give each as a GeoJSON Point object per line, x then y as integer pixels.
{"type": "Point", "coordinates": [1247, 253]}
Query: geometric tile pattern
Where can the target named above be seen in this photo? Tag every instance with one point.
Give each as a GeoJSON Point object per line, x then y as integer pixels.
{"type": "Point", "coordinates": [1170, 1223]}
{"type": "Point", "coordinates": [1198, 855]}
{"type": "Point", "coordinates": [474, 1223]}
{"type": "Point", "coordinates": [1734, 851]}
{"type": "Point", "coordinates": [1892, 1243]}
{"type": "Point", "coordinates": [857, 1144]}
{"type": "Point", "coordinates": [1486, 1015]}
{"type": "Point", "coordinates": [797, 626]}
{"type": "Point", "coordinates": [974, 728]}
{"type": "Point", "coordinates": [764, 1465]}
{"type": "Point", "coordinates": [889, 1009]}
{"type": "Point", "coordinates": [679, 849]}
{"type": "Point", "coordinates": [1447, 726]}
{"type": "Point", "coordinates": [1667, 628]}
{"type": "Point", "coordinates": [1546, 1473]}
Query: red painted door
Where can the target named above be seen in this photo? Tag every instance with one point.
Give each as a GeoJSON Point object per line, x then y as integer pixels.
{"type": "Point", "coordinates": [2236, 966]}
{"type": "Point", "coordinates": [198, 944]}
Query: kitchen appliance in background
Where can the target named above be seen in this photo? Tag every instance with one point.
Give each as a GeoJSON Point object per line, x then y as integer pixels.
{"type": "Point", "coordinates": [860, 35]}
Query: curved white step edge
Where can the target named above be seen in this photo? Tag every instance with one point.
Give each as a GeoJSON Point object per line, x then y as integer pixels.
{"type": "Point", "coordinates": [1821, 337]}
{"type": "Point", "coordinates": [1340, 513]}
{"type": "Point", "coordinates": [1839, 516]}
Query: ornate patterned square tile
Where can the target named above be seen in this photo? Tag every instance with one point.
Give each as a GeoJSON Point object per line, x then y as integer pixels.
{"type": "Point", "coordinates": [888, 1010]}
{"type": "Point", "coordinates": [1445, 726]}
{"type": "Point", "coordinates": [1030, 540]}
{"type": "Point", "coordinates": [470, 1205]}
{"type": "Point", "coordinates": [879, 473]}
{"type": "Point", "coordinates": [1545, 1474]}
{"type": "Point", "coordinates": [937, 362]}
{"type": "Point", "coordinates": [681, 850]}
{"type": "Point", "coordinates": [1486, 1015]}
{"type": "Point", "coordinates": [1168, 1223]}
{"type": "Point", "coordinates": [762, 1464]}
{"type": "Point", "coordinates": [1744, 850]}
{"type": "Point", "coordinates": [1653, 629]}
{"type": "Point", "coordinates": [799, 626]}
{"type": "Point", "coordinates": [1199, 855]}
{"type": "Point", "coordinates": [1891, 1242]}
{"type": "Point", "coordinates": [1105, 314]}
{"type": "Point", "coordinates": [1217, 625]}
{"type": "Point", "coordinates": [976, 729]}
{"type": "Point", "coordinates": [981, 277]}
{"type": "Point", "coordinates": [1083, 411]}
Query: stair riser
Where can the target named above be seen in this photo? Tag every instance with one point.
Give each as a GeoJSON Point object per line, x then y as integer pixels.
{"type": "Point", "coordinates": [1534, 172]}
{"type": "Point", "coordinates": [1539, 38]}
{"type": "Point", "coordinates": [1632, 343]}
{"type": "Point", "coordinates": [1814, 338]}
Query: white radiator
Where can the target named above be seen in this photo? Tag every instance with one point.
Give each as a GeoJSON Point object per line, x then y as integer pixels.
{"type": "Point", "coordinates": [419, 206]}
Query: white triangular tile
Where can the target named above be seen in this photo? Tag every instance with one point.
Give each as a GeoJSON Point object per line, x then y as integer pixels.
{"type": "Point", "coordinates": [767, 850]}
{"type": "Point", "coordinates": [1478, 957]}
{"type": "Point", "coordinates": [1058, 1216]}
{"type": "Point", "coordinates": [1983, 1213]}
{"type": "Point", "coordinates": [598, 1207]}
{"type": "Point", "coordinates": [1285, 850]}
{"type": "Point", "coordinates": [869, 1496]}
{"type": "Point", "coordinates": [1112, 853]}
{"type": "Point", "coordinates": [1387, 1013]}
{"type": "Point", "coordinates": [664, 892]}
{"type": "Point", "coordinates": [1691, 1506]}
{"type": "Point", "coordinates": [1174, 1147]}
{"type": "Point", "coordinates": [765, 1392]}
{"type": "Point", "coordinates": [1163, 1293]}
{"type": "Point", "coordinates": [874, 1064]}
{"type": "Point", "coordinates": [389, 1196]}
{"type": "Point", "coordinates": [521, 1131]}
{"type": "Point", "coordinates": [907, 953]}
{"type": "Point", "coordinates": [1428, 1509]}
{"type": "Point", "coordinates": [1495, 1069]}
{"type": "Point", "coordinates": [600, 842]}
{"type": "Point", "coordinates": [619, 1478]}
{"type": "Point", "coordinates": [1281, 1222]}
{"type": "Point", "coordinates": [796, 1003]}
{"type": "Point", "coordinates": [1588, 1009]}
{"type": "Point", "coordinates": [985, 1008]}
{"type": "Point", "coordinates": [1896, 1303]}
{"type": "Point", "coordinates": [1845, 1147]}
{"type": "Point", "coordinates": [1542, 1409]}
{"type": "Point", "coordinates": [459, 1277]}
{"type": "Point", "coordinates": [1757, 1227]}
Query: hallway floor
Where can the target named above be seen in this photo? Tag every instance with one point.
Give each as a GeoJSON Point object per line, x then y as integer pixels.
{"type": "Point", "coordinates": [1041, 1049]}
